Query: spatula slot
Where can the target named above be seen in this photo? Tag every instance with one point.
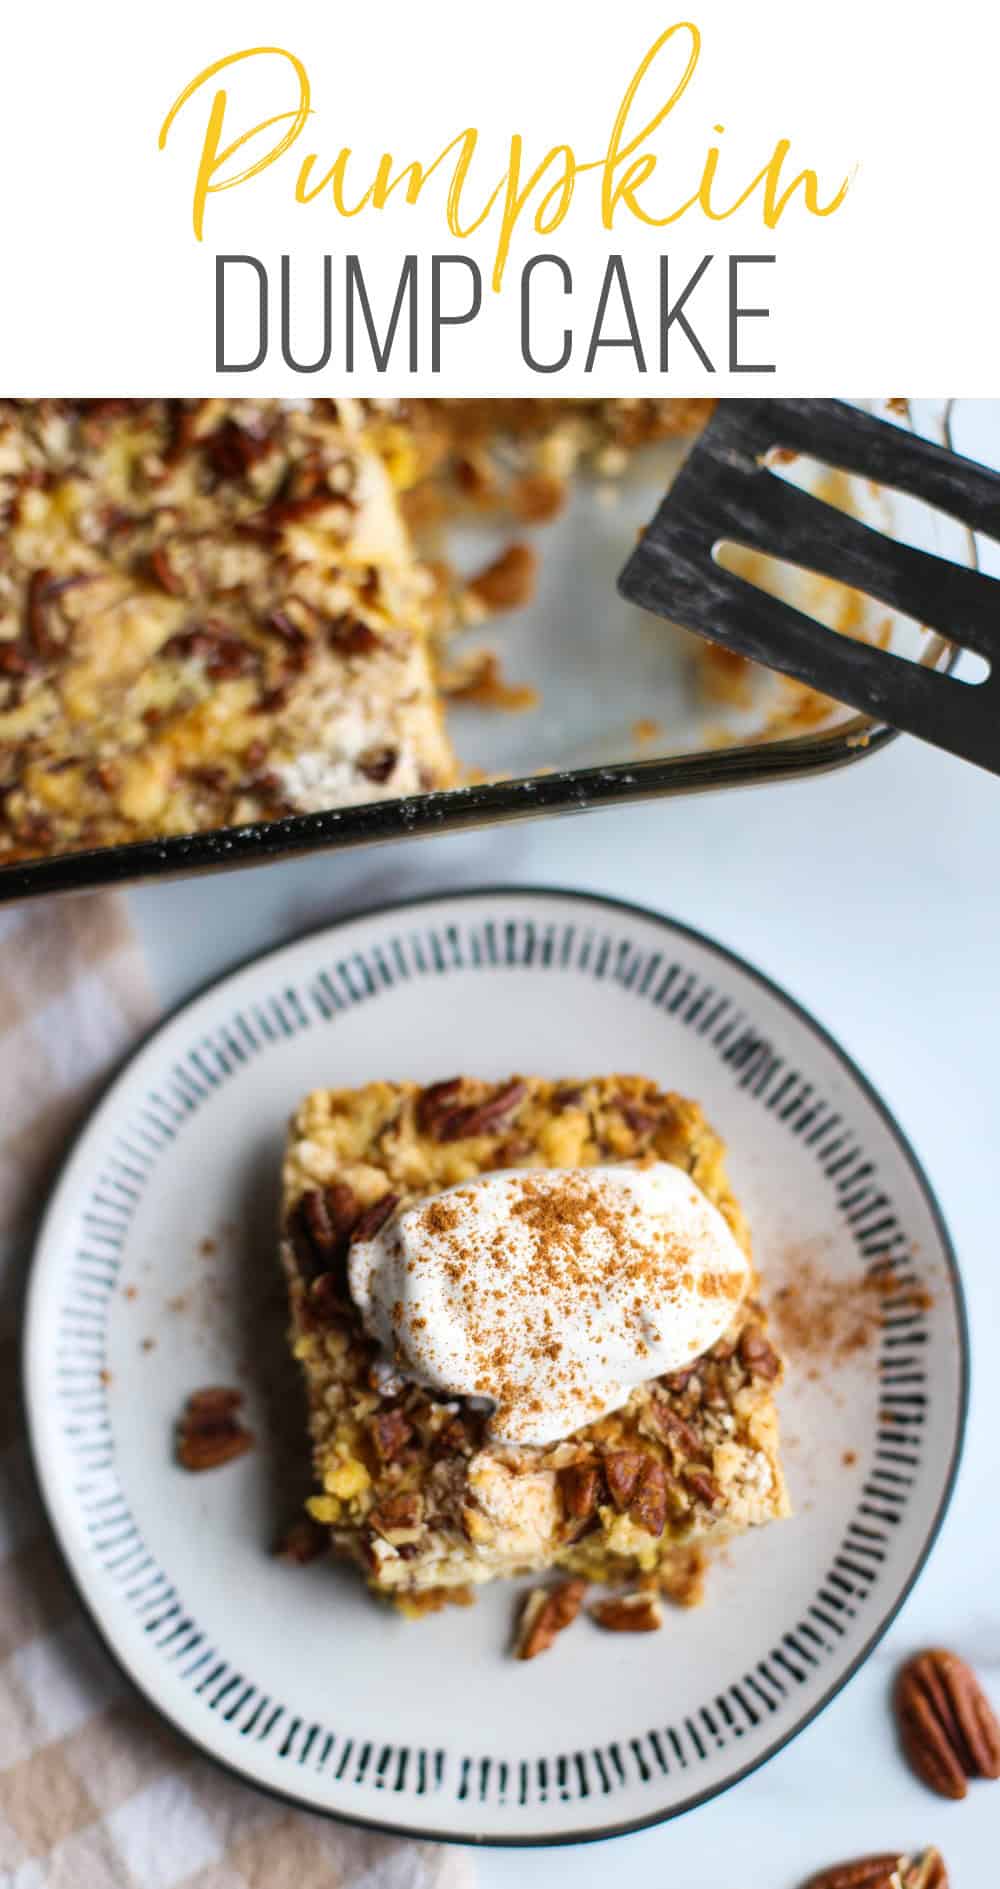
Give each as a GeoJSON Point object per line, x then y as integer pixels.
{"type": "Point", "coordinates": [837, 606]}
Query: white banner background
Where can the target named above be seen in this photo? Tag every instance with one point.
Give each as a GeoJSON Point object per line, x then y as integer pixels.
{"type": "Point", "coordinates": [108, 291]}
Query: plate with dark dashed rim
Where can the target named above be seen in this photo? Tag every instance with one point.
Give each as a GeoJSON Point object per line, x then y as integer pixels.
{"type": "Point", "coordinates": [156, 1274]}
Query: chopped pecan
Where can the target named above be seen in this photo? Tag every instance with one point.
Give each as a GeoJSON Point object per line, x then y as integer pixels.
{"type": "Point", "coordinates": [37, 618]}
{"type": "Point", "coordinates": [622, 1469]}
{"type": "Point", "coordinates": [451, 1440]}
{"type": "Point", "coordinates": [232, 449]}
{"type": "Point", "coordinates": [628, 1613]}
{"type": "Point", "coordinates": [433, 1102]}
{"type": "Point", "coordinates": [760, 1358]}
{"type": "Point", "coordinates": [285, 628]}
{"type": "Point", "coordinates": [272, 519]}
{"type": "Point", "coordinates": [887, 1871]}
{"type": "Point", "coordinates": [209, 1432]}
{"type": "Point", "coordinates": [351, 636]}
{"type": "Point", "coordinates": [513, 1151]}
{"type": "Point", "coordinates": [947, 1727]}
{"type": "Point", "coordinates": [182, 422]}
{"type": "Point", "coordinates": [391, 1432]}
{"type": "Point", "coordinates": [223, 654]}
{"type": "Point", "coordinates": [374, 1217]}
{"type": "Point", "coordinates": [209, 776]}
{"type": "Point", "coordinates": [639, 1119]}
{"type": "Point", "coordinates": [376, 764]}
{"type": "Point", "coordinates": [673, 1429]}
{"type": "Point", "coordinates": [713, 1385]}
{"type": "Point", "coordinates": [545, 1614]}
{"type": "Point", "coordinates": [680, 1380]}
{"type": "Point", "coordinates": [303, 1541]}
{"type": "Point", "coordinates": [398, 1514]}
{"type": "Point", "coordinates": [681, 1575]}
{"type": "Point", "coordinates": [580, 1488]}
{"type": "Point", "coordinates": [481, 1118]}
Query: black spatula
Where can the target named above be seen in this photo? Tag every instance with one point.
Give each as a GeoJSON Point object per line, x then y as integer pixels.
{"type": "Point", "coordinates": [726, 493]}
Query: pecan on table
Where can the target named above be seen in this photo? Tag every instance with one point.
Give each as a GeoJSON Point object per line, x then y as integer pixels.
{"type": "Point", "coordinates": [889, 1871]}
{"type": "Point", "coordinates": [946, 1724]}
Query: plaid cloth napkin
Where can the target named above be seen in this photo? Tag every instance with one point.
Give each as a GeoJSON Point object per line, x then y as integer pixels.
{"type": "Point", "coordinates": [96, 1793]}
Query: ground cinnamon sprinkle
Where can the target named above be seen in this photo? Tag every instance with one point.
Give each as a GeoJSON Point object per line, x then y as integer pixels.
{"type": "Point", "coordinates": [818, 1317]}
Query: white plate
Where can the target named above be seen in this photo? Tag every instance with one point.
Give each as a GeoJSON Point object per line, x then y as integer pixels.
{"type": "Point", "coordinates": [293, 1677]}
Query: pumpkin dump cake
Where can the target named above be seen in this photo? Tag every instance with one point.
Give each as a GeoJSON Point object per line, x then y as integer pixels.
{"type": "Point", "coordinates": [211, 613]}
{"type": "Point", "coordinates": [527, 1320]}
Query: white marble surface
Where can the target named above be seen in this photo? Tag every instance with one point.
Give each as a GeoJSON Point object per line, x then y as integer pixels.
{"type": "Point", "coordinates": [874, 896]}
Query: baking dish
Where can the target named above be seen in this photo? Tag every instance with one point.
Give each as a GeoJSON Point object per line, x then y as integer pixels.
{"type": "Point", "coordinates": [613, 687]}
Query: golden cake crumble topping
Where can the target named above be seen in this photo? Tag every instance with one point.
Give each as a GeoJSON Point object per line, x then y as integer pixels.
{"type": "Point", "coordinates": [409, 1481]}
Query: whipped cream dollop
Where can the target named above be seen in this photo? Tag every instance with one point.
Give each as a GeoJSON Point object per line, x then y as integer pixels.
{"type": "Point", "coordinates": [552, 1292]}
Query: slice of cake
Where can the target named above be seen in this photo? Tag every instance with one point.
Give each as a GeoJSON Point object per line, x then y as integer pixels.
{"type": "Point", "coordinates": [530, 1334]}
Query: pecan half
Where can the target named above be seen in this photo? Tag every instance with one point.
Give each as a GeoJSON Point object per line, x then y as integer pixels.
{"type": "Point", "coordinates": [209, 1432]}
{"type": "Point", "coordinates": [303, 1541]}
{"type": "Point", "coordinates": [579, 1486]}
{"type": "Point", "coordinates": [648, 1507]}
{"type": "Point", "coordinates": [545, 1614]}
{"type": "Point", "coordinates": [481, 1118]}
{"type": "Point", "coordinates": [320, 1225]}
{"type": "Point", "coordinates": [628, 1613]}
{"type": "Point", "coordinates": [391, 1432]}
{"type": "Point", "coordinates": [889, 1871]}
{"type": "Point", "coordinates": [621, 1468]}
{"type": "Point", "coordinates": [947, 1727]}
{"type": "Point", "coordinates": [374, 1217]}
